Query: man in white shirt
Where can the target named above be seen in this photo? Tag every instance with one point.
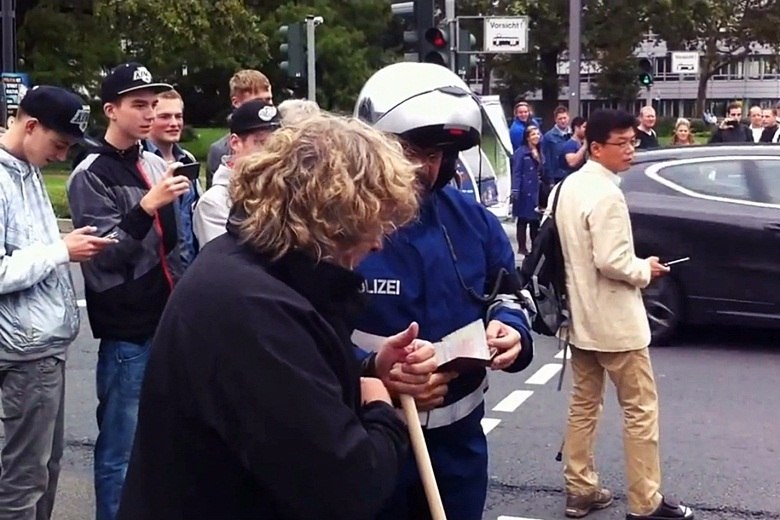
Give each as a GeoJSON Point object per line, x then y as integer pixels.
{"type": "Point", "coordinates": [756, 123]}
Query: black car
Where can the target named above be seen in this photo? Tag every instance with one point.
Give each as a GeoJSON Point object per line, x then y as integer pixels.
{"type": "Point", "coordinates": [720, 206]}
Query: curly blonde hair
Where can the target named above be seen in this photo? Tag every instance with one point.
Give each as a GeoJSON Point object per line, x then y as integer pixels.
{"type": "Point", "coordinates": [323, 187]}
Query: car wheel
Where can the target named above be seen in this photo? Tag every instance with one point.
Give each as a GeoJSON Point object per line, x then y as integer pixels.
{"type": "Point", "coordinates": [664, 306]}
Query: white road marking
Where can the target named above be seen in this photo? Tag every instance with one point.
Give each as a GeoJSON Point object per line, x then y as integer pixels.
{"type": "Point", "coordinates": [504, 517]}
{"type": "Point", "coordinates": [544, 374]}
{"type": "Point", "coordinates": [510, 403]}
{"type": "Point", "coordinates": [81, 303]}
{"type": "Point", "coordinates": [559, 355]}
{"type": "Point", "coordinates": [488, 424]}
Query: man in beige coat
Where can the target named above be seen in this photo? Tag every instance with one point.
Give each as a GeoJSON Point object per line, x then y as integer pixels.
{"type": "Point", "coordinates": [609, 331]}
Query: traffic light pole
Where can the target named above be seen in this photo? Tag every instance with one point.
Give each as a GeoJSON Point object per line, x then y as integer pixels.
{"type": "Point", "coordinates": [8, 8]}
{"type": "Point", "coordinates": [452, 28]}
{"type": "Point", "coordinates": [311, 55]}
{"type": "Point", "coordinates": [575, 63]}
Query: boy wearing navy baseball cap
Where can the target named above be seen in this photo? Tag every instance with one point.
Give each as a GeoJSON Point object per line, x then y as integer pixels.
{"type": "Point", "coordinates": [40, 318]}
{"type": "Point", "coordinates": [131, 194]}
{"type": "Point", "coordinates": [250, 126]}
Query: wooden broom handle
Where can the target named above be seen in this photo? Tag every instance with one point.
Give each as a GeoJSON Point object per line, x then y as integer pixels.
{"type": "Point", "coordinates": [423, 458]}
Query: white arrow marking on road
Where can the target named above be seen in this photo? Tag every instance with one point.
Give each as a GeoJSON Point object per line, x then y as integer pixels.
{"type": "Point", "coordinates": [510, 403]}
{"type": "Point", "coordinates": [544, 374]}
{"type": "Point", "coordinates": [503, 517]}
{"type": "Point", "coordinates": [488, 424]}
{"type": "Point", "coordinates": [81, 303]}
{"type": "Point", "coordinates": [559, 355]}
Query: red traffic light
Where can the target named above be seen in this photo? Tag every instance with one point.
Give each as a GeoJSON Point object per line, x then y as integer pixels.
{"type": "Point", "coordinates": [436, 38]}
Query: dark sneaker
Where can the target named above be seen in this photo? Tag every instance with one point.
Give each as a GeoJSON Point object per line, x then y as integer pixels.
{"type": "Point", "coordinates": [668, 509]}
{"type": "Point", "coordinates": [578, 506]}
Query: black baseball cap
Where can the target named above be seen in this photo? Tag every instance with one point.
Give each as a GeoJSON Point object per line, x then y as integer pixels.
{"type": "Point", "coordinates": [254, 115]}
{"type": "Point", "coordinates": [57, 109]}
{"type": "Point", "coordinates": [126, 78]}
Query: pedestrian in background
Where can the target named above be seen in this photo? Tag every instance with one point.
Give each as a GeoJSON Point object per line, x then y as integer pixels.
{"type": "Point", "coordinates": [731, 129]}
{"type": "Point", "coordinates": [771, 132]}
{"type": "Point", "coordinates": [682, 133]}
{"type": "Point", "coordinates": [245, 85]}
{"type": "Point", "coordinates": [523, 118]}
{"type": "Point", "coordinates": [527, 169]}
{"type": "Point", "coordinates": [130, 194]}
{"type": "Point", "coordinates": [609, 332]}
{"type": "Point", "coordinates": [38, 314]}
{"type": "Point", "coordinates": [646, 136]}
{"type": "Point", "coordinates": [251, 125]}
{"type": "Point", "coordinates": [163, 141]}
{"type": "Point", "coordinates": [575, 150]}
{"type": "Point", "coordinates": [294, 111]}
{"type": "Point", "coordinates": [553, 140]}
{"type": "Point", "coordinates": [253, 406]}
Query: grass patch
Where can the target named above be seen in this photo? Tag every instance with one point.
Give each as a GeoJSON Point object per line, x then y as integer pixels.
{"type": "Point", "coordinates": [55, 178]}
{"type": "Point", "coordinates": [199, 146]}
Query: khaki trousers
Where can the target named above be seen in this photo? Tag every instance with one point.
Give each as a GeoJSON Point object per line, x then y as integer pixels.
{"type": "Point", "coordinates": [632, 375]}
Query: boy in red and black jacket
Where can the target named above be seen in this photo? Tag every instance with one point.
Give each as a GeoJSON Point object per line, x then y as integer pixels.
{"type": "Point", "coordinates": [131, 195]}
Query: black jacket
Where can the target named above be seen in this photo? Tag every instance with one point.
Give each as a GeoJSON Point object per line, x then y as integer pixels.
{"type": "Point", "coordinates": [127, 284]}
{"type": "Point", "coordinates": [769, 135]}
{"type": "Point", "coordinates": [251, 407]}
{"type": "Point", "coordinates": [737, 134]}
{"type": "Point", "coordinates": [647, 141]}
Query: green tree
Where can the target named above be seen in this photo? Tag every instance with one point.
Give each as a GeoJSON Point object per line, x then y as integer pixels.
{"type": "Point", "coordinates": [613, 31]}
{"type": "Point", "coordinates": [349, 46]}
{"type": "Point", "coordinates": [724, 31]}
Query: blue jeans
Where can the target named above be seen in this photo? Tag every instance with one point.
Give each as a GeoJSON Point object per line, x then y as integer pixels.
{"type": "Point", "coordinates": [120, 372]}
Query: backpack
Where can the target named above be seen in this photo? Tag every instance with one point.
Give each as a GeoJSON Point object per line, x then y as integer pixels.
{"type": "Point", "coordinates": [543, 275]}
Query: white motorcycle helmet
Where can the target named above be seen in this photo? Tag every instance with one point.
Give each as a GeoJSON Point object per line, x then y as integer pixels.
{"type": "Point", "coordinates": [426, 105]}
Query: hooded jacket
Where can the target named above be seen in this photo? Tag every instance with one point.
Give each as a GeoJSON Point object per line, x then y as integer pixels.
{"type": "Point", "coordinates": [38, 313]}
{"type": "Point", "coordinates": [213, 207]}
{"type": "Point", "coordinates": [127, 284]}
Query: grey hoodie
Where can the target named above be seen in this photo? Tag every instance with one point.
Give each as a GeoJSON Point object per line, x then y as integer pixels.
{"type": "Point", "coordinates": [213, 208]}
{"type": "Point", "coordinates": [38, 313]}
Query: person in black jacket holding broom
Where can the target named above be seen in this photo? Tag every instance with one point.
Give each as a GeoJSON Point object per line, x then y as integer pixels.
{"type": "Point", "coordinates": [253, 405]}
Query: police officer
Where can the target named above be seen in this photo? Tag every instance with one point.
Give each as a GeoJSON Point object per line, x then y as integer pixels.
{"type": "Point", "coordinates": [437, 272]}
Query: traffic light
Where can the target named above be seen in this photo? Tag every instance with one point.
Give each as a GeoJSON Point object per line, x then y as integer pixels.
{"type": "Point", "coordinates": [293, 50]}
{"type": "Point", "coordinates": [404, 14]}
{"type": "Point", "coordinates": [466, 62]}
{"type": "Point", "coordinates": [645, 72]}
{"type": "Point", "coordinates": [435, 48]}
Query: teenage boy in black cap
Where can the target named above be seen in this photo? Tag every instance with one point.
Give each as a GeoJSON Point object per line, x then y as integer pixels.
{"type": "Point", "coordinates": [39, 317]}
{"type": "Point", "coordinates": [129, 194]}
{"type": "Point", "coordinates": [250, 126]}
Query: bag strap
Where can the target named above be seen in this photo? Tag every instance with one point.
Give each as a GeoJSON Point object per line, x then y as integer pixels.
{"type": "Point", "coordinates": [555, 198]}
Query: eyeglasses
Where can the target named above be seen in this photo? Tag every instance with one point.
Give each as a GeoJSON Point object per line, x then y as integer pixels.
{"type": "Point", "coordinates": [624, 145]}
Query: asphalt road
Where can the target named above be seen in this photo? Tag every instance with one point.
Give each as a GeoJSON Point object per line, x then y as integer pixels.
{"type": "Point", "coordinates": [720, 430]}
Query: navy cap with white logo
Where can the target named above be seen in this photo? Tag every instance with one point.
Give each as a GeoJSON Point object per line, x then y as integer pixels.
{"type": "Point", "coordinates": [254, 115]}
{"type": "Point", "coordinates": [126, 78]}
{"type": "Point", "coordinates": [57, 109]}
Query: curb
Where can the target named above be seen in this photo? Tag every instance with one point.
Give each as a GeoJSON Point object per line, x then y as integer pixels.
{"type": "Point", "coordinates": [65, 225]}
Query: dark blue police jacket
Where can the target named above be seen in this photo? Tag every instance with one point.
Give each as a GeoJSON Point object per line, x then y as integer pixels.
{"type": "Point", "coordinates": [415, 278]}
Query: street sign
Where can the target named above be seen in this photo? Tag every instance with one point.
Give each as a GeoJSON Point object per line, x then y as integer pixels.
{"type": "Point", "coordinates": [685, 63]}
{"type": "Point", "coordinates": [508, 34]}
{"type": "Point", "coordinates": [15, 87]}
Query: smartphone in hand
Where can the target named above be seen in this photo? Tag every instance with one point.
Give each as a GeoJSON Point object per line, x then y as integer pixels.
{"type": "Point", "coordinates": [678, 261]}
{"type": "Point", "coordinates": [191, 171]}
